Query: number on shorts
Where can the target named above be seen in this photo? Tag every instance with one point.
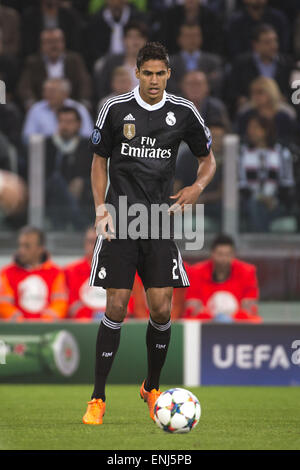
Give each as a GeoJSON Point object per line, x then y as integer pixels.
{"type": "Point", "coordinates": [175, 263]}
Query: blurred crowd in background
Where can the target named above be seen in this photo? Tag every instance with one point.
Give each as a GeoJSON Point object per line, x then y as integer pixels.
{"type": "Point", "coordinates": [236, 60]}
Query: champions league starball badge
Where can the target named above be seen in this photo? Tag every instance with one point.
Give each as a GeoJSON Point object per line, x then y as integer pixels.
{"type": "Point", "coordinates": [96, 136]}
{"type": "Point", "coordinates": [171, 119]}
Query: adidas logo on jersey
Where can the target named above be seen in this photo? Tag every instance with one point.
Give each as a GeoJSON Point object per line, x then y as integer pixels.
{"type": "Point", "coordinates": [129, 117]}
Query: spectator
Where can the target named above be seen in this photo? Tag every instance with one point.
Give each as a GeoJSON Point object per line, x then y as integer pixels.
{"type": "Point", "coordinates": [195, 88]}
{"type": "Point", "coordinates": [223, 288]}
{"type": "Point", "coordinates": [242, 24]}
{"type": "Point", "coordinates": [32, 286]}
{"type": "Point", "coordinates": [264, 60]}
{"type": "Point", "coordinates": [191, 12]}
{"type": "Point", "coordinates": [48, 14]}
{"type": "Point", "coordinates": [41, 117]}
{"type": "Point", "coordinates": [266, 101]}
{"type": "Point", "coordinates": [135, 36]}
{"type": "Point", "coordinates": [106, 29]}
{"type": "Point", "coordinates": [53, 61]}
{"type": "Point", "coordinates": [266, 177]}
{"type": "Point", "coordinates": [85, 302]}
{"type": "Point", "coordinates": [67, 171]}
{"type": "Point", "coordinates": [10, 30]}
{"type": "Point", "coordinates": [191, 57]}
{"type": "Point", "coordinates": [121, 82]}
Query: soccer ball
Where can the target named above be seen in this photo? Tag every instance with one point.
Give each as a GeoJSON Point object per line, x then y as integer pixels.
{"type": "Point", "coordinates": [177, 410]}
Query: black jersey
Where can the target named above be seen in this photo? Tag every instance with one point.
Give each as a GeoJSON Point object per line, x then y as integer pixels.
{"type": "Point", "coordinates": [142, 143]}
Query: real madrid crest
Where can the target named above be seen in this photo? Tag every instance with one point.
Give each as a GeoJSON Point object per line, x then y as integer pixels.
{"type": "Point", "coordinates": [170, 119]}
{"type": "Point", "coordinates": [129, 131]}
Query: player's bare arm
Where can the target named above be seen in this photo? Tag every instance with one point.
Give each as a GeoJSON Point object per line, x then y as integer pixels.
{"type": "Point", "coordinates": [99, 183]}
{"type": "Point", "coordinates": [190, 194]}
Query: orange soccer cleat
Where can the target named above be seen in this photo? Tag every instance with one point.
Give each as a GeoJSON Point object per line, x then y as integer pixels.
{"type": "Point", "coordinates": [150, 398]}
{"type": "Point", "coordinates": [95, 412]}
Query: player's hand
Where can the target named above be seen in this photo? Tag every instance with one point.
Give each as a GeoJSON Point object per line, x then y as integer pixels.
{"type": "Point", "coordinates": [104, 224]}
{"type": "Point", "coordinates": [187, 195]}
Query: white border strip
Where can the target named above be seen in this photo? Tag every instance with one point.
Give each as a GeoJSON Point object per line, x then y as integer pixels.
{"type": "Point", "coordinates": [191, 353]}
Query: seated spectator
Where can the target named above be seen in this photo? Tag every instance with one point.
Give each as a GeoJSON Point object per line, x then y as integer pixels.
{"type": "Point", "coordinates": [53, 61]}
{"type": "Point", "coordinates": [121, 82]}
{"type": "Point", "coordinates": [264, 60]}
{"type": "Point", "coordinates": [85, 302]}
{"type": "Point", "coordinates": [191, 12]}
{"type": "Point", "coordinates": [68, 168]}
{"type": "Point", "coordinates": [223, 288]}
{"type": "Point", "coordinates": [266, 177]}
{"type": "Point", "coordinates": [10, 30]}
{"type": "Point", "coordinates": [195, 88]}
{"type": "Point", "coordinates": [48, 14]}
{"type": "Point", "coordinates": [266, 101]}
{"type": "Point", "coordinates": [32, 286]}
{"type": "Point", "coordinates": [135, 36]}
{"type": "Point", "coordinates": [105, 30]}
{"type": "Point", "coordinates": [191, 57]}
{"type": "Point", "coordinates": [42, 118]}
{"type": "Point", "coordinates": [242, 23]}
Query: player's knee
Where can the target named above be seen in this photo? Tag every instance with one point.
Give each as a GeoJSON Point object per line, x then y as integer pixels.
{"type": "Point", "coordinates": [161, 313]}
{"type": "Point", "coordinates": [116, 310]}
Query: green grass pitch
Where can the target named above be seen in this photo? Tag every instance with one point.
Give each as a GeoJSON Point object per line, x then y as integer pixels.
{"type": "Point", "coordinates": [49, 417]}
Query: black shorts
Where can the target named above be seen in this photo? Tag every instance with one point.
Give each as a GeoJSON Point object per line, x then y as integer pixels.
{"type": "Point", "coordinates": [158, 262]}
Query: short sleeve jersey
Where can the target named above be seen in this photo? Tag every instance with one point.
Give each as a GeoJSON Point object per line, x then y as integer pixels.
{"type": "Point", "coordinates": [142, 141]}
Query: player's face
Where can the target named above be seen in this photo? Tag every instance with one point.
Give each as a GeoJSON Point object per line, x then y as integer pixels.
{"type": "Point", "coordinates": [222, 257]}
{"type": "Point", "coordinates": [29, 250]}
{"type": "Point", "coordinates": [153, 76]}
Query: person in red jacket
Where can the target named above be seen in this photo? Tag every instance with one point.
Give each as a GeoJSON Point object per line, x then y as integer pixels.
{"type": "Point", "coordinates": [222, 288]}
{"type": "Point", "coordinates": [85, 302]}
{"type": "Point", "coordinates": [32, 287]}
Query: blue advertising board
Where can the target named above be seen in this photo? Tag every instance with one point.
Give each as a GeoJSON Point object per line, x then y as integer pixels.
{"type": "Point", "coordinates": [239, 354]}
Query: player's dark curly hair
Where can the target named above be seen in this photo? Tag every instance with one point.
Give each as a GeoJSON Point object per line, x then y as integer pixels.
{"type": "Point", "coordinates": [152, 51]}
